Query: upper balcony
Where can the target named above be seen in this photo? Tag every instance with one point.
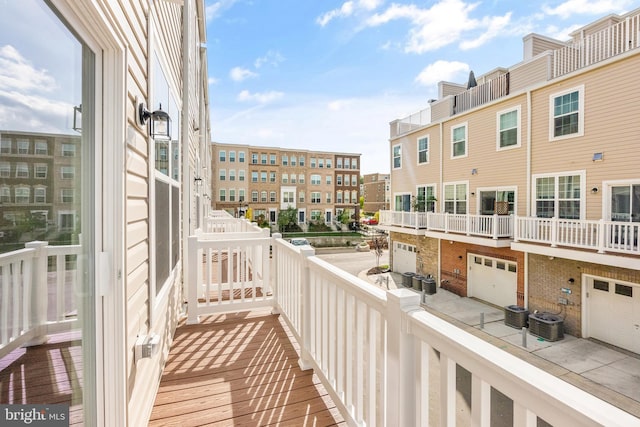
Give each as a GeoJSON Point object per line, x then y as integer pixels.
{"type": "Point", "coordinates": [591, 235]}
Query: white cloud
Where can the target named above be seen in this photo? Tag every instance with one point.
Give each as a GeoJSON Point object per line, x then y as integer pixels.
{"type": "Point", "coordinates": [347, 9]}
{"type": "Point", "coordinates": [272, 58]}
{"type": "Point", "coordinates": [215, 9]}
{"type": "Point", "coordinates": [494, 27]}
{"type": "Point", "coordinates": [239, 74]}
{"type": "Point", "coordinates": [339, 104]}
{"type": "Point", "coordinates": [260, 97]}
{"type": "Point", "coordinates": [561, 34]}
{"type": "Point", "coordinates": [441, 70]}
{"type": "Point", "coordinates": [17, 73]}
{"type": "Point", "coordinates": [590, 7]}
{"type": "Point", "coordinates": [212, 81]}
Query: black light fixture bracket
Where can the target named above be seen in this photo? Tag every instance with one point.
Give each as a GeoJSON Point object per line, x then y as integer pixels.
{"type": "Point", "coordinates": [160, 121]}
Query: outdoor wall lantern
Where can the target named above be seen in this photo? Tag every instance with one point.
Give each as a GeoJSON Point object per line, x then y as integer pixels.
{"type": "Point", "coordinates": [160, 122]}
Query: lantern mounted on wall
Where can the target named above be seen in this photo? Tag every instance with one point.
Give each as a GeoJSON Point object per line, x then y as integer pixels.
{"type": "Point", "coordinates": [160, 127]}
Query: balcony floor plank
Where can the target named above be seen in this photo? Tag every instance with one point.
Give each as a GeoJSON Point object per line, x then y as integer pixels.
{"type": "Point", "coordinates": [239, 369]}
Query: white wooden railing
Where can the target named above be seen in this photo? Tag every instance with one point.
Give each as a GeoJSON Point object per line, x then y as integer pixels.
{"type": "Point", "coordinates": [604, 44]}
{"type": "Point", "coordinates": [33, 301]}
{"type": "Point", "coordinates": [603, 236]}
{"type": "Point", "coordinates": [229, 270]}
{"type": "Point", "coordinates": [479, 95]}
{"type": "Point", "coordinates": [375, 353]}
{"type": "Point", "coordinates": [494, 226]}
{"type": "Point", "coordinates": [223, 222]}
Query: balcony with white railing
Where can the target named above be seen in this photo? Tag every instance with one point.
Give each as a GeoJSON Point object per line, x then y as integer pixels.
{"type": "Point", "coordinates": [378, 355]}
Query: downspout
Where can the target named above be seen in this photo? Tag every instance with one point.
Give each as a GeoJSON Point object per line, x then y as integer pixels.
{"type": "Point", "coordinates": [187, 172]}
{"type": "Point", "coordinates": [441, 172]}
{"type": "Point", "coordinates": [528, 195]}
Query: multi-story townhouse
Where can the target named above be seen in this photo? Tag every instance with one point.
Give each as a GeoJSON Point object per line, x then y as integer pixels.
{"type": "Point", "coordinates": [525, 188]}
{"type": "Point", "coordinates": [375, 191]}
{"type": "Point", "coordinates": [319, 185]}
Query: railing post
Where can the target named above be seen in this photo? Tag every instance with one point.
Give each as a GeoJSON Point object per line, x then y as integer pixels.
{"type": "Point", "coordinates": [305, 361]}
{"type": "Point", "coordinates": [39, 292]}
{"type": "Point", "coordinates": [401, 363]}
{"type": "Point", "coordinates": [468, 224]}
{"type": "Point", "coordinates": [601, 235]}
{"type": "Point", "coordinates": [274, 273]}
{"type": "Point", "coordinates": [496, 226]}
{"type": "Point", "coordinates": [554, 232]}
{"type": "Point", "coordinates": [192, 281]}
{"type": "Point", "coordinates": [266, 263]}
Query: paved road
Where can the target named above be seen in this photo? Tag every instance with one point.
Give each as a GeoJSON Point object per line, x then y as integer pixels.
{"type": "Point", "coordinates": [352, 261]}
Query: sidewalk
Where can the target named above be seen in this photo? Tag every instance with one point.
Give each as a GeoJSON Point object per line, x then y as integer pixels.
{"type": "Point", "coordinates": [609, 373]}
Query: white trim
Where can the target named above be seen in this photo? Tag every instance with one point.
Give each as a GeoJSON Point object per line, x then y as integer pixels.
{"type": "Point", "coordinates": [428, 150]}
{"type": "Point", "coordinates": [393, 167]}
{"type": "Point", "coordinates": [552, 97]}
{"type": "Point", "coordinates": [518, 144]}
{"type": "Point", "coordinates": [435, 192]}
{"type": "Point", "coordinates": [606, 194]}
{"type": "Point", "coordinates": [556, 175]}
{"type": "Point", "coordinates": [513, 188]}
{"type": "Point", "coordinates": [466, 141]}
{"type": "Point", "coordinates": [456, 183]}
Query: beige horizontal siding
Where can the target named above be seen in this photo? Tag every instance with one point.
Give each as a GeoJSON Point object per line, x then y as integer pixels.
{"type": "Point", "coordinates": [529, 73]}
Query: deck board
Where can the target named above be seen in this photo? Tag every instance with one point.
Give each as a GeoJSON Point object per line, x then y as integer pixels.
{"type": "Point", "coordinates": [239, 369]}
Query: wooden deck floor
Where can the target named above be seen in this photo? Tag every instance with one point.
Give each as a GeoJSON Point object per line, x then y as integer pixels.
{"type": "Point", "coordinates": [239, 370]}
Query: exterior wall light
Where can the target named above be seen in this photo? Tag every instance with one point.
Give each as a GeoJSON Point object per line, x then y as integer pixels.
{"type": "Point", "coordinates": [160, 122]}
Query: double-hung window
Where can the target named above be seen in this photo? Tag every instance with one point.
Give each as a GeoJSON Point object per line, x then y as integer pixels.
{"type": "Point", "coordinates": [567, 114]}
{"type": "Point", "coordinates": [508, 128]}
{"type": "Point", "coordinates": [397, 156]}
{"type": "Point", "coordinates": [423, 150]}
{"type": "Point", "coordinates": [455, 198]}
{"type": "Point", "coordinates": [559, 195]}
{"type": "Point", "coordinates": [315, 179]}
{"type": "Point", "coordinates": [459, 141]}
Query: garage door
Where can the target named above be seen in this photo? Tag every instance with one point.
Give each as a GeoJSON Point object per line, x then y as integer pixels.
{"type": "Point", "coordinates": [404, 257]}
{"type": "Point", "coordinates": [493, 280]}
{"type": "Point", "coordinates": [613, 312]}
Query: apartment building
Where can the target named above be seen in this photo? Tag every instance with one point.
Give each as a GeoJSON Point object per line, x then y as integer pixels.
{"type": "Point", "coordinates": [523, 187]}
{"type": "Point", "coordinates": [376, 191]}
{"type": "Point", "coordinates": [319, 185]}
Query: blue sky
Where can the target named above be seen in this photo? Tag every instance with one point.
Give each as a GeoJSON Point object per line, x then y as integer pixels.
{"type": "Point", "coordinates": [331, 75]}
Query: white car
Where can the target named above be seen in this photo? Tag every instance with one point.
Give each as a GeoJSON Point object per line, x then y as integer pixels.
{"type": "Point", "coordinates": [299, 241]}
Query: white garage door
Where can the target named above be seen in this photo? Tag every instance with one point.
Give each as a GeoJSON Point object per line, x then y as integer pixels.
{"type": "Point", "coordinates": [493, 280]}
{"type": "Point", "coordinates": [404, 257]}
{"type": "Point", "coordinates": [613, 312]}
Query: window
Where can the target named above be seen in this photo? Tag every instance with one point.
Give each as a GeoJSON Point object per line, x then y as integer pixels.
{"type": "Point", "coordinates": [339, 179]}
{"type": "Point", "coordinates": [288, 197]}
{"type": "Point", "coordinates": [263, 196]}
{"type": "Point", "coordinates": [321, 163]}
{"type": "Point", "coordinates": [232, 156]}
{"type": "Point", "coordinates": [232, 195]}
{"type": "Point", "coordinates": [223, 195]}
{"type": "Point", "coordinates": [339, 196]}
{"type": "Point", "coordinates": [272, 196]}
{"type": "Point", "coordinates": [241, 195]}
{"type": "Point", "coordinates": [423, 150]}
{"type": "Point", "coordinates": [23, 146]}
{"type": "Point", "coordinates": [625, 202]}
{"type": "Point", "coordinates": [263, 176]}
{"type": "Point", "coordinates": [68, 150]}
{"type": "Point", "coordinates": [254, 158]}
{"type": "Point", "coordinates": [232, 173]}
{"type": "Point", "coordinates": [328, 197]}
{"type": "Point", "coordinates": [339, 162]}
{"type": "Point", "coordinates": [328, 163]}
{"type": "Point", "coordinates": [223, 174]}
{"type": "Point", "coordinates": [354, 180]}
{"type": "Point", "coordinates": [272, 177]}
{"type": "Point", "coordinates": [22, 170]}
{"type": "Point", "coordinates": [508, 129]}
{"type": "Point", "coordinates": [41, 148]}
{"type": "Point", "coordinates": [67, 195]}
{"type": "Point", "coordinates": [397, 156]}
{"type": "Point", "coordinates": [254, 196]}
{"type": "Point", "coordinates": [455, 198]}
{"type": "Point", "coordinates": [315, 179]}
{"type": "Point", "coordinates": [500, 201]}
{"type": "Point", "coordinates": [301, 162]}
{"type": "Point", "coordinates": [566, 110]}
{"type": "Point", "coordinates": [559, 196]}
{"type": "Point", "coordinates": [293, 178]}
{"type": "Point", "coordinates": [315, 197]}
{"type": "Point", "coordinates": [68, 172]}
{"type": "Point", "coordinates": [293, 160]}
{"type": "Point", "coordinates": [254, 176]}
{"type": "Point", "coordinates": [263, 159]}
{"type": "Point", "coordinates": [5, 194]}
{"type": "Point", "coordinates": [328, 179]}
{"type": "Point", "coordinates": [301, 196]}
{"type": "Point", "coordinates": [272, 159]}
{"type": "Point", "coordinates": [316, 215]}
{"type": "Point", "coordinates": [402, 202]}
{"type": "Point", "coordinates": [223, 156]}
{"type": "Point", "coordinates": [347, 163]}
{"type": "Point", "coordinates": [301, 178]}
{"type": "Point", "coordinates": [459, 141]}
{"type": "Point", "coordinates": [425, 199]}
{"type": "Point", "coordinates": [22, 194]}
{"type": "Point", "coordinates": [285, 160]}
{"type": "Point", "coordinates": [354, 197]}
{"type": "Point", "coordinates": [241, 175]}
{"type": "Point", "coordinates": [5, 169]}
{"type": "Point", "coordinates": [5, 146]}
{"type": "Point", "coordinates": [241, 156]}
{"type": "Point", "coordinates": [40, 170]}
{"type": "Point", "coordinates": [313, 162]}
{"type": "Point", "coordinates": [354, 163]}
{"type": "Point", "coordinates": [285, 178]}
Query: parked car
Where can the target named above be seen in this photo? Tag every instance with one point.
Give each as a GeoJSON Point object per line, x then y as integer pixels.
{"type": "Point", "coordinates": [299, 241]}
{"type": "Point", "coordinates": [369, 221]}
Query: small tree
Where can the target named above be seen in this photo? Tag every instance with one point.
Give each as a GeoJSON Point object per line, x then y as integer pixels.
{"type": "Point", "coordinates": [287, 219]}
{"type": "Point", "coordinates": [378, 244]}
